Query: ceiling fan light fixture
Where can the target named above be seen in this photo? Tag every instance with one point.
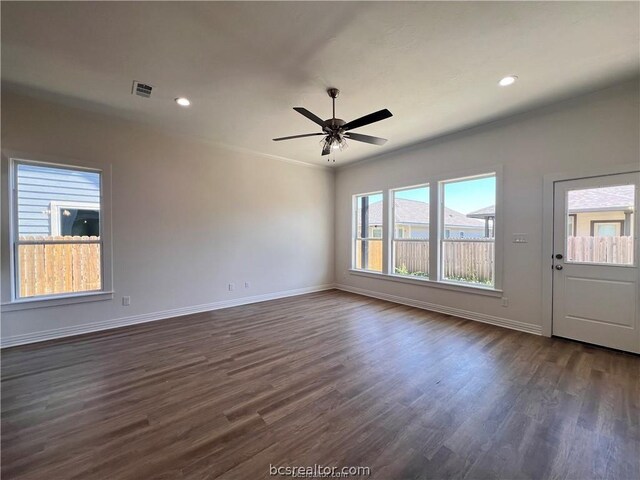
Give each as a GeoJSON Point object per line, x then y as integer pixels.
{"type": "Point", "coordinates": [339, 144]}
{"type": "Point", "coordinates": [333, 143]}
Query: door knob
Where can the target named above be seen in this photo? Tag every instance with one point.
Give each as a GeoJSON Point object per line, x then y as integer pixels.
{"type": "Point", "coordinates": [559, 256]}
{"type": "Point", "coordinates": [558, 267]}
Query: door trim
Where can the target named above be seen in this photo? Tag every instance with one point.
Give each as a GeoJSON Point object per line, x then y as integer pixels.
{"type": "Point", "coordinates": [548, 187]}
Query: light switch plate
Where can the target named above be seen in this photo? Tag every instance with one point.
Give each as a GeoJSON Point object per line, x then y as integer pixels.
{"type": "Point", "coordinates": [520, 238]}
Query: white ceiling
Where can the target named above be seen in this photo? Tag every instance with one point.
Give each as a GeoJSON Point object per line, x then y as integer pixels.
{"type": "Point", "coordinates": [245, 65]}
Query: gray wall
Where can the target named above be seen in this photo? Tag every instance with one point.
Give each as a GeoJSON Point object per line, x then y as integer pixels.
{"type": "Point", "coordinates": [595, 130]}
{"type": "Point", "coordinates": [188, 217]}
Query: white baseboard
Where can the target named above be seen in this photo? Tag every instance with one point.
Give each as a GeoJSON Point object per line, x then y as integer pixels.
{"type": "Point", "coordinates": [458, 312]}
{"type": "Point", "coordinates": [150, 317]}
{"type": "Point", "coordinates": [177, 312]}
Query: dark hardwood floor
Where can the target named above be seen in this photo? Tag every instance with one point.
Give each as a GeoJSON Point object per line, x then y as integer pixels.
{"type": "Point", "coordinates": [329, 378]}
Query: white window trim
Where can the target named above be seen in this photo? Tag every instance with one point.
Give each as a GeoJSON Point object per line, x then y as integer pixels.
{"type": "Point", "coordinates": [10, 300]}
{"type": "Point", "coordinates": [435, 183]}
{"type": "Point", "coordinates": [355, 236]}
{"type": "Point", "coordinates": [57, 205]}
{"type": "Point", "coordinates": [497, 274]}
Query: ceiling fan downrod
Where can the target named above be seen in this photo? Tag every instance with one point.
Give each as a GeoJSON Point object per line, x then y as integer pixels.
{"type": "Point", "coordinates": [333, 93]}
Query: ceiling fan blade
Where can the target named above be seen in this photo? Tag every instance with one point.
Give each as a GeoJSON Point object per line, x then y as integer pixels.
{"type": "Point", "coordinates": [326, 150]}
{"type": "Point", "coordinates": [367, 119]}
{"type": "Point", "coordinates": [311, 116]}
{"type": "Point", "coordinates": [365, 138]}
{"type": "Point", "coordinates": [297, 136]}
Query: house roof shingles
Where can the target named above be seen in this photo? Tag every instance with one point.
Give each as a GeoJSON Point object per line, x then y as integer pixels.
{"type": "Point", "coordinates": [416, 212]}
{"type": "Point", "coordinates": [586, 200]}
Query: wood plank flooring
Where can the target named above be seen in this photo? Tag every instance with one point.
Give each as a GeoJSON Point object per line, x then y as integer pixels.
{"type": "Point", "coordinates": [330, 378]}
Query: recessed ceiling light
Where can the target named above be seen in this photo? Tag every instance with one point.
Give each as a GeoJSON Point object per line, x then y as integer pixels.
{"type": "Point", "coordinates": [509, 80]}
{"type": "Point", "coordinates": [183, 102]}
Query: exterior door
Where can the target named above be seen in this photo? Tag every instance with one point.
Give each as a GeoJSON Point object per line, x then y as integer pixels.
{"type": "Point", "coordinates": [595, 266]}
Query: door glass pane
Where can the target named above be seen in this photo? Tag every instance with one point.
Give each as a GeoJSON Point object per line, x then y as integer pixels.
{"type": "Point", "coordinates": [600, 225]}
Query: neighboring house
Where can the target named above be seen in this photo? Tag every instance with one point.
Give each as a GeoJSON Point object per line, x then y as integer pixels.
{"type": "Point", "coordinates": [412, 221]}
{"type": "Point", "coordinates": [57, 201]}
{"type": "Point", "coordinates": [488, 217]}
{"type": "Point", "coordinates": [601, 212]}
{"type": "Point", "coordinates": [594, 212]}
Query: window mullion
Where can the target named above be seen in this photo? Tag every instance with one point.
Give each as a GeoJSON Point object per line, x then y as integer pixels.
{"type": "Point", "coordinates": [387, 212]}
{"type": "Point", "coordinates": [434, 228]}
{"type": "Point", "coordinates": [56, 242]}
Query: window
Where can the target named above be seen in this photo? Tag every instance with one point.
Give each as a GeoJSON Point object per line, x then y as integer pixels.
{"type": "Point", "coordinates": [56, 230]}
{"type": "Point", "coordinates": [410, 247]}
{"type": "Point", "coordinates": [468, 213]}
{"type": "Point", "coordinates": [604, 228]}
{"type": "Point", "coordinates": [443, 233]}
{"type": "Point", "coordinates": [73, 218]}
{"type": "Point", "coordinates": [368, 225]}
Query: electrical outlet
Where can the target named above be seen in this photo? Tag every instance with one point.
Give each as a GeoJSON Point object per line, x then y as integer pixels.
{"type": "Point", "coordinates": [126, 301]}
{"type": "Point", "coordinates": [247, 285]}
{"type": "Point", "coordinates": [505, 302]}
{"type": "Point", "coordinates": [231, 287]}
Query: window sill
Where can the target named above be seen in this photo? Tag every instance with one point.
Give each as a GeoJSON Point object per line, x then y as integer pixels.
{"type": "Point", "coordinates": [54, 301]}
{"type": "Point", "coordinates": [476, 290]}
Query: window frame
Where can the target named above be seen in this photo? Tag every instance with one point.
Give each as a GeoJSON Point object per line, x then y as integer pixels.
{"type": "Point", "coordinates": [15, 302]}
{"type": "Point", "coordinates": [392, 229]}
{"type": "Point", "coordinates": [442, 230]}
{"type": "Point", "coordinates": [355, 235]}
{"type": "Point", "coordinates": [436, 209]}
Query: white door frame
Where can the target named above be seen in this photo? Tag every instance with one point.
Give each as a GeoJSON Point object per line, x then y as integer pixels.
{"type": "Point", "coordinates": [547, 229]}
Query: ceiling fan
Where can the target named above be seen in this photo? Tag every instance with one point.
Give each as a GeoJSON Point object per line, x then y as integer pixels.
{"type": "Point", "coordinates": [336, 131]}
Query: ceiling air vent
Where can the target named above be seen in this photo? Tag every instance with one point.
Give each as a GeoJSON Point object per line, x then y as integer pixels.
{"type": "Point", "coordinates": [141, 89]}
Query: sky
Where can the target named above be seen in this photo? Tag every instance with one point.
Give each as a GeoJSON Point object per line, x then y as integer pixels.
{"type": "Point", "coordinates": [465, 196]}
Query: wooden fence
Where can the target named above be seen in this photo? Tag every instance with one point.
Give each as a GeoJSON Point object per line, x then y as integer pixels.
{"type": "Point", "coordinates": [469, 260]}
{"type": "Point", "coordinates": [374, 255]}
{"type": "Point", "coordinates": [618, 250]}
{"type": "Point", "coordinates": [412, 258]}
{"type": "Point", "coordinates": [464, 260]}
{"type": "Point", "coordinates": [48, 269]}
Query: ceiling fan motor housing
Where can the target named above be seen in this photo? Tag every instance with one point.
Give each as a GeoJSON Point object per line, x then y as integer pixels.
{"type": "Point", "coordinates": [333, 125]}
